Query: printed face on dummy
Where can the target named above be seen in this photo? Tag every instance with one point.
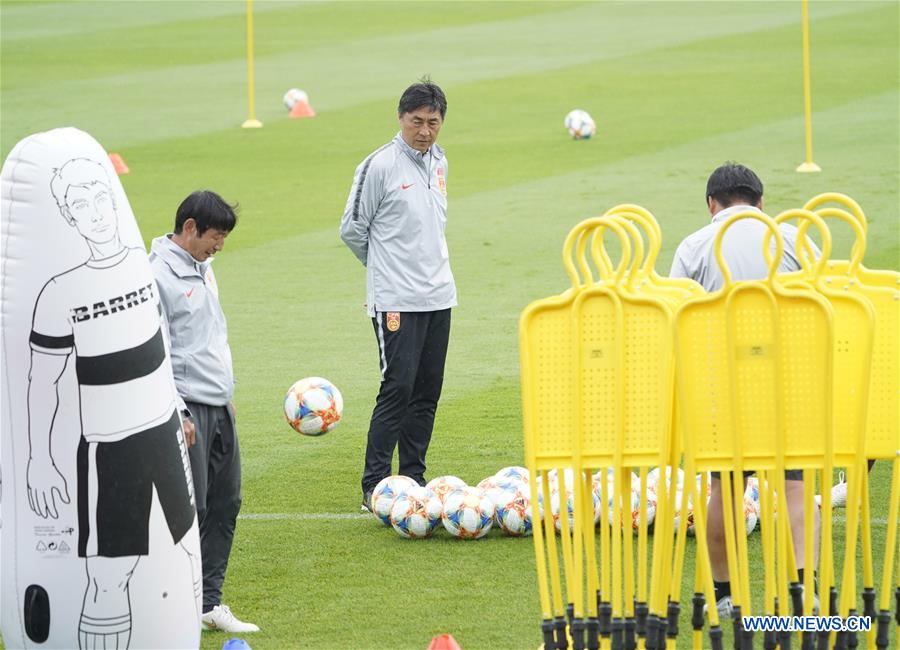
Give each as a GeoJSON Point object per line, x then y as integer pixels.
{"type": "Point", "coordinates": [92, 211]}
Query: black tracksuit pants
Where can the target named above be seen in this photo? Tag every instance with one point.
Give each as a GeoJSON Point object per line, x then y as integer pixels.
{"type": "Point", "coordinates": [216, 465]}
{"type": "Point", "coordinates": [412, 348]}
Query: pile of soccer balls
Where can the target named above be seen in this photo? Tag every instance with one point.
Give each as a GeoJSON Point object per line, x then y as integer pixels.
{"type": "Point", "coordinates": [466, 512]}
{"type": "Point", "coordinates": [504, 501]}
{"type": "Point", "coordinates": [751, 497]}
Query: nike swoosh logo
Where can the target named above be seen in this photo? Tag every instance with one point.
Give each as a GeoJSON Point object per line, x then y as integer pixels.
{"type": "Point", "coordinates": [406, 186]}
{"type": "Point", "coordinates": [188, 293]}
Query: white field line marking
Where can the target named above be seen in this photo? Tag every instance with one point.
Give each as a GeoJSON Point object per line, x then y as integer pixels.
{"type": "Point", "coordinates": [327, 516]}
{"type": "Point", "coordinates": [875, 521]}
{"type": "Point", "coordinates": [337, 516]}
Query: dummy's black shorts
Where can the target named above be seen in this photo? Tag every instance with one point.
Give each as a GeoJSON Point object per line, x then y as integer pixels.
{"type": "Point", "coordinates": [115, 490]}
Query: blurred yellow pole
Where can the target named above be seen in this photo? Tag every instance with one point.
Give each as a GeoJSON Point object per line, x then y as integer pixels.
{"type": "Point", "coordinates": [808, 165]}
{"type": "Point", "coordinates": [251, 122]}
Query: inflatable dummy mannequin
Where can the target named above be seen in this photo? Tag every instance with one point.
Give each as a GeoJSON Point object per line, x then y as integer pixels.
{"type": "Point", "coordinates": [99, 544]}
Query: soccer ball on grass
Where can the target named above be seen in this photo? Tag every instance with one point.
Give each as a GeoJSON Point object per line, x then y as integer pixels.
{"type": "Point", "coordinates": [293, 96]}
{"type": "Point", "coordinates": [512, 508]}
{"type": "Point", "coordinates": [580, 125]}
{"type": "Point", "coordinates": [444, 485]}
{"type": "Point", "coordinates": [313, 406]}
{"type": "Point", "coordinates": [468, 513]}
{"type": "Point", "coordinates": [415, 513]}
{"type": "Point", "coordinates": [386, 492]}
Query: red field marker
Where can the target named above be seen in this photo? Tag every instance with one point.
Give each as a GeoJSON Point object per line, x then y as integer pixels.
{"type": "Point", "coordinates": [443, 642]}
{"type": "Point", "coordinates": [302, 109]}
{"type": "Point", "coordinates": [118, 164]}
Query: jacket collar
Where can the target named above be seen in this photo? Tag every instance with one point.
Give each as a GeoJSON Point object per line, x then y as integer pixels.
{"type": "Point", "coordinates": [722, 215]}
{"type": "Point", "coordinates": [179, 260]}
{"type": "Point", "coordinates": [435, 149]}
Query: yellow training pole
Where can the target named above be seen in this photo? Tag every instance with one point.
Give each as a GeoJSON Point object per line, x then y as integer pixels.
{"type": "Point", "coordinates": [628, 551]}
{"type": "Point", "coordinates": [808, 165]}
{"type": "Point", "coordinates": [604, 606]}
{"type": "Point", "coordinates": [699, 513]}
{"type": "Point", "coordinates": [769, 549]}
{"type": "Point", "coordinates": [868, 591]}
{"type": "Point", "coordinates": [884, 615]}
{"type": "Point", "coordinates": [251, 122]}
{"type": "Point", "coordinates": [642, 549]}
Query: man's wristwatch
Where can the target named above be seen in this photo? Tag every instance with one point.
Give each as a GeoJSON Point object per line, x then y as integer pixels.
{"type": "Point", "coordinates": [186, 414]}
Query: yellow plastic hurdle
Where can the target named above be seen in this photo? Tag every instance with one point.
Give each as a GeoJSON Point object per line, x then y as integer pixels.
{"type": "Point", "coordinates": [662, 614]}
{"type": "Point", "coordinates": [549, 421]}
{"type": "Point", "coordinates": [624, 345]}
{"type": "Point", "coordinates": [666, 564]}
{"type": "Point", "coordinates": [854, 321]}
{"type": "Point", "coordinates": [835, 267]}
{"type": "Point", "coordinates": [596, 310]}
{"type": "Point", "coordinates": [881, 289]}
{"type": "Point", "coordinates": [647, 273]}
{"type": "Point", "coordinates": [597, 320]}
{"type": "Point", "coordinates": [763, 352]}
{"type": "Point", "coordinates": [753, 382]}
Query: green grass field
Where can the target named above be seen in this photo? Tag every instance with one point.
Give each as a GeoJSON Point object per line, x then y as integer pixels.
{"type": "Point", "coordinates": [675, 88]}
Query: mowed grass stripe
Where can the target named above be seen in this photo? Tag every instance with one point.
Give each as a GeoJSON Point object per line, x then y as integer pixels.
{"type": "Point", "coordinates": [454, 55]}
{"type": "Point", "coordinates": [147, 43]}
{"type": "Point", "coordinates": [305, 166]}
{"type": "Point", "coordinates": [43, 22]}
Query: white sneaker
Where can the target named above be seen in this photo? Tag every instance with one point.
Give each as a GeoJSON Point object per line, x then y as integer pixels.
{"type": "Point", "coordinates": [724, 607]}
{"type": "Point", "coordinates": [815, 610]}
{"type": "Point", "coordinates": [220, 618]}
{"type": "Point", "coordinates": [838, 494]}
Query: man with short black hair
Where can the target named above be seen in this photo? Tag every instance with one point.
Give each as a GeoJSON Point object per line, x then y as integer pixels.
{"type": "Point", "coordinates": [201, 362]}
{"type": "Point", "coordinates": [733, 188]}
{"type": "Point", "coordinates": [394, 223]}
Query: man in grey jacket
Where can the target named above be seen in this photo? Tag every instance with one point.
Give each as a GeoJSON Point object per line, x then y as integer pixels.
{"type": "Point", "coordinates": [201, 363]}
{"type": "Point", "coordinates": [394, 223]}
{"type": "Point", "coordinates": [731, 189]}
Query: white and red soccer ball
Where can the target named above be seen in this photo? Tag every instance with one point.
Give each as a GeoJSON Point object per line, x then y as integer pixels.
{"type": "Point", "coordinates": [565, 493]}
{"type": "Point", "coordinates": [751, 513]}
{"type": "Point", "coordinates": [512, 507]}
{"type": "Point", "coordinates": [512, 473]}
{"type": "Point", "coordinates": [444, 485]}
{"type": "Point", "coordinates": [580, 125]}
{"type": "Point", "coordinates": [415, 513]}
{"type": "Point", "coordinates": [468, 513]}
{"type": "Point", "coordinates": [313, 406]}
{"type": "Point", "coordinates": [386, 493]}
{"type": "Point", "coordinates": [654, 475]}
{"type": "Point", "coordinates": [293, 96]}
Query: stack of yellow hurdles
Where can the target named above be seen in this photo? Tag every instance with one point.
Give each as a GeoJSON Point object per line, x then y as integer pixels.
{"type": "Point", "coordinates": [627, 370]}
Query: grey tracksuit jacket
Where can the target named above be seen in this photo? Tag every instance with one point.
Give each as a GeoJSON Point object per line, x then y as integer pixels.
{"type": "Point", "coordinates": [394, 223]}
{"type": "Point", "coordinates": [201, 358]}
{"type": "Point", "coordinates": [695, 257]}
